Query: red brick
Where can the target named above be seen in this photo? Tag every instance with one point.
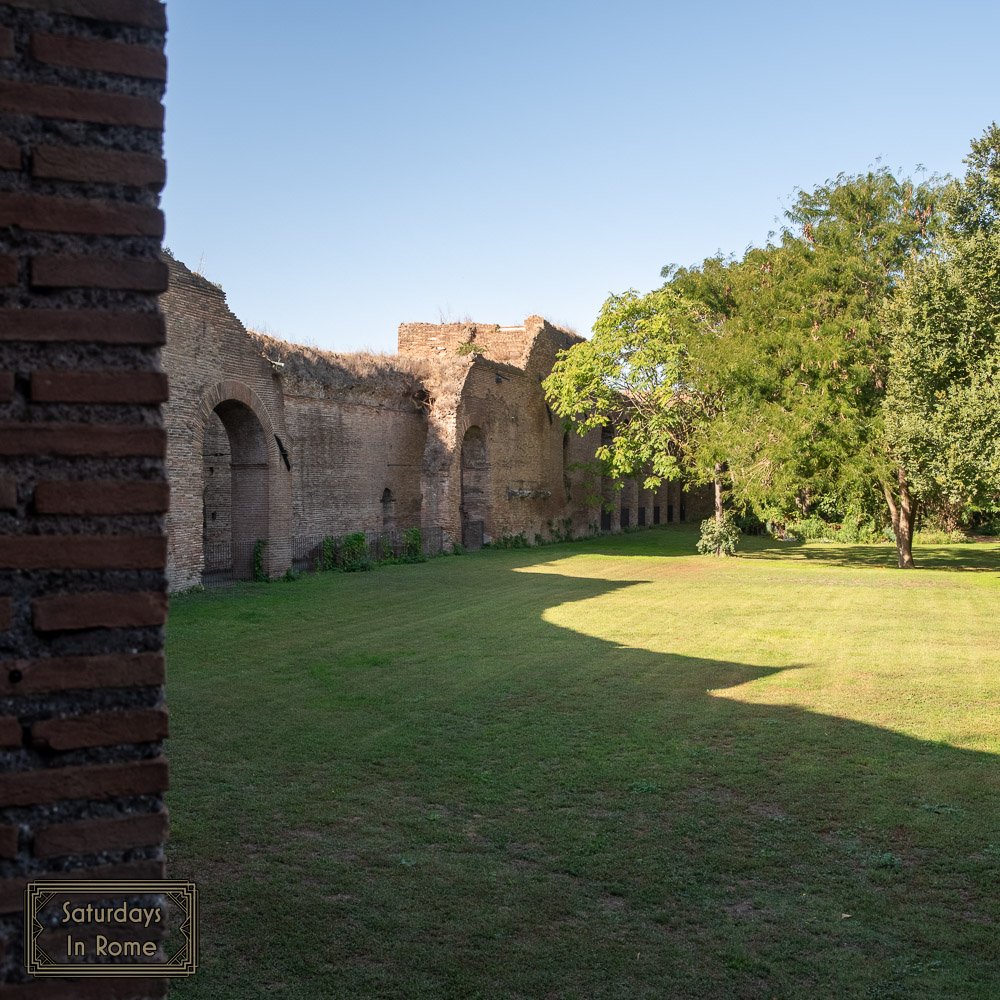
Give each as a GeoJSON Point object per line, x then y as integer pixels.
{"type": "Point", "coordinates": [87, 216]}
{"type": "Point", "coordinates": [102, 729]}
{"type": "Point", "coordinates": [72, 612]}
{"type": "Point", "coordinates": [108, 57]}
{"type": "Point", "coordinates": [84, 989]}
{"type": "Point", "coordinates": [98, 781]}
{"type": "Point", "coordinates": [8, 841]}
{"type": "Point", "coordinates": [10, 731]}
{"type": "Point", "coordinates": [8, 270]}
{"type": "Point", "coordinates": [8, 494]}
{"type": "Point", "coordinates": [77, 163]}
{"type": "Point", "coordinates": [7, 50]}
{"type": "Point", "coordinates": [5, 614]}
{"type": "Point", "coordinates": [98, 272]}
{"type": "Point", "coordinates": [99, 387]}
{"type": "Point", "coordinates": [12, 901]}
{"type": "Point", "coordinates": [10, 155]}
{"type": "Point", "coordinates": [144, 13]}
{"type": "Point", "coordinates": [77, 673]}
{"type": "Point", "coordinates": [92, 836]}
{"type": "Point", "coordinates": [98, 326]}
{"type": "Point", "coordinates": [70, 104]}
{"type": "Point", "coordinates": [6, 387]}
{"type": "Point", "coordinates": [81, 552]}
{"type": "Point", "coordinates": [109, 496]}
{"type": "Point", "coordinates": [94, 440]}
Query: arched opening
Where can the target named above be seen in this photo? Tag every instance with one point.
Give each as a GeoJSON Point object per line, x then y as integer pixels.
{"type": "Point", "coordinates": [388, 510]}
{"type": "Point", "coordinates": [236, 508]}
{"type": "Point", "coordinates": [475, 474]}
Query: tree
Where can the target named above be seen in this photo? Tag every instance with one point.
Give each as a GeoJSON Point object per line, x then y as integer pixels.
{"type": "Point", "coordinates": [806, 373]}
{"type": "Point", "coordinates": [628, 377]}
{"type": "Point", "coordinates": [942, 405]}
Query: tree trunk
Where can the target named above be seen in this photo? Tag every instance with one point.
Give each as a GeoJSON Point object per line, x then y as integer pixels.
{"type": "Point", "coordinates": [718, 501]}
{"type": "Point", "coordinates": [903, 509]}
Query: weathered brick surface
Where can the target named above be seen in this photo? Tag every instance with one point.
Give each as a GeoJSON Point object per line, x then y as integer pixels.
{"type": "Point", "coordinates": [10, 154]}
{"type": "Point", "coordinates": [91, 836]}
{"type": "Point", "coordinates": [81, 552]}
{"type": "Point", "coordinates": [76, 673]}
{"type": "Point", "coordinates": [142, 13]}
{"type": "Point", "coordinates": [8, 841]}
{"type": "Point", "coordinates": [96, 781]}
{"type": "Point", "coordinates": [101, 497]}
{"type": "Point", "coordinates": [101, 729]}
{"type": "Point", "coordinates": [98, 387]}
{"type": "Point", "coordinates": [85, 989]}
{"type": "Point", "coordinates": [10, 731]}
{"type": "Point", "coordinates": [82, 476]}
{"type": "Point", "coordinates": [12, 895]}
{"type": "Point", "coordinates": [8, 270]}
{"type": "Point", "coordinates": [111, 57]}
{"type": "Point", "coordinates": [78, 271]}
{"type": "Point", "coordinates": [98, 107]}
{"type": "Point", "coordinates": [100, 440]}
{"type": "Point", "coordinates": [98, 326]}
{"type": "Point", "coordinates": [104, 610]}
{"type": "Point", "coordinates": [98, 217]}
{"type": "Point", "coordinates": [76, 163]}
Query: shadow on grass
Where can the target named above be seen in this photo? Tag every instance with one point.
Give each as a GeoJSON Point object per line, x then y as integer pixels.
{"type": "Point", "coordinates": [964, 558]}
{"type": "Point", "coordinates": [455, 798]}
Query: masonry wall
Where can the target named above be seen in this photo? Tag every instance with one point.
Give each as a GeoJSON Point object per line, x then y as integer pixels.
{"type": "Point", "coordinates": [212, 361]}
{"type": "Point", "coordinates": [351, 445]}
{"type": "Point", "coordinates": [82, 477]}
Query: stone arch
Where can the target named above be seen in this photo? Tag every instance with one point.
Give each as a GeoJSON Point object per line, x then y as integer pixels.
{"type": "Point", "coordinates": [475, 482]}
{"type": "Point", "coordinates": [388, 510]}
{"type": "Point", "coordinates": [235, 438]}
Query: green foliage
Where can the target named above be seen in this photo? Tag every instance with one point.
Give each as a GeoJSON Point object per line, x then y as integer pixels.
{"type": "Point", "coordinates": [327, 559]}
{"type": "Point", "coordinates": [942, 408]}
{"type": "Point", "coordinates": [259, 573]}
{"type": "Point", "coordinates": [413, 546]}
{"type": "Point", "coordinates": [349, 553]}
{"type": "Point", "coordinates": [355, 555]}
{"type": "Point", "coordinates": [518, 541]}
{"type": "Point", "coordinates": [719, 537]}
{"type": "Point", "coordinates": [629, 378]}
{"type": "Point", "coordinates": [457, 549]}
{"type": "Point", "coordinates": [470, 347]}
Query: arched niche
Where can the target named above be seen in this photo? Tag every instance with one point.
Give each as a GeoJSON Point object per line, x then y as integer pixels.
{"type": "Point", "coordinates": [475, 481]}
{"type": "Point", "coordinates": [236, 508]}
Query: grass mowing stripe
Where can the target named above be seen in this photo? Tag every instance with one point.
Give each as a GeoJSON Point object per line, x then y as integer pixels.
{"type": "Point", "coordinates": [604, 769]}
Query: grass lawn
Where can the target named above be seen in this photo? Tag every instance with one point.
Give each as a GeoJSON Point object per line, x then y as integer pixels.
{"type": "Point", "coordinates": [608, 769]}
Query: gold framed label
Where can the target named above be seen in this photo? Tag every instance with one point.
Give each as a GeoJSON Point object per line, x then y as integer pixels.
{"type": "Point", "coordinates": [110, 927]}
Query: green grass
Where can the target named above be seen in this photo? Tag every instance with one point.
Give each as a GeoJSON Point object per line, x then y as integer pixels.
{"type": "Point", "coordinates": [598, 770]}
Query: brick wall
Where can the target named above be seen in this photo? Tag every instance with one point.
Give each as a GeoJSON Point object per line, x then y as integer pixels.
{"type": "Point", "coordinates": [82, 476]}
{"type": "Point", "coordinates": [219, 381]}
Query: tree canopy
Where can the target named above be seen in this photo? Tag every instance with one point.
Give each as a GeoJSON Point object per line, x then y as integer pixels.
{"type": "Point", "coordinates": [854, 358]}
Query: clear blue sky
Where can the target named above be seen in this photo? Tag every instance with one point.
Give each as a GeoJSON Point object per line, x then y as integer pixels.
{"type": "Point", "coordinates": [343, 167]}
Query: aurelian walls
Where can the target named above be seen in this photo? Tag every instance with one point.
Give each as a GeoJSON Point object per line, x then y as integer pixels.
{"type": "Point", "coordinates": [275, 446]}
{"type": "Point", "coordinates": [83, 483]}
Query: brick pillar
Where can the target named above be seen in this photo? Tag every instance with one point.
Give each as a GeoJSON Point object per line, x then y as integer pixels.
{"type": "Point", "coordinates": [82, 478]}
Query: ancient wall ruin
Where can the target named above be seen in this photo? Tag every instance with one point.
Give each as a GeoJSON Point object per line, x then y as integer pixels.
{"type": "Point", "coordinates": [82, 475]}
{"type": "Point", "coordinates": [274, 446]}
